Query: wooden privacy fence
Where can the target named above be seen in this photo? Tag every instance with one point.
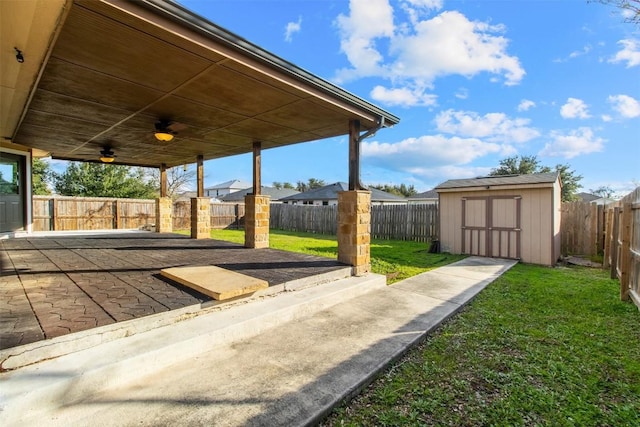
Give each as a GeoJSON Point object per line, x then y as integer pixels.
{"type": "Point", "coordinates": [582, 229]}
{"type": "Point", "coordinates": [401, 222]}
{"type": "Point", "coordinates": [613, 231]}
{"type": "Point", "coordinates": [223, 215]}
{"type": "Point", "coordinates": [405, 222]}
{"type": "Point", "coordinates": [305, 218]}
{"type": "Point", "coordinates": [63, 213]}
{"type": "Point", "coordinates": [622, 245]}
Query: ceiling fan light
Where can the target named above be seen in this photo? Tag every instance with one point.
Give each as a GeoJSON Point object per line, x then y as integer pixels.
{"type": "Point", "coordinates": [163, 136]}
{"type": "Point", "coordinates": [106, 155]}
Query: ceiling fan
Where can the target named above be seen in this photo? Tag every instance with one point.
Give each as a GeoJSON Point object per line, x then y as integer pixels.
{"type": "Point", "coordinates": [166, 129]}
{"type": "Point", "coordinates": [107, 155]}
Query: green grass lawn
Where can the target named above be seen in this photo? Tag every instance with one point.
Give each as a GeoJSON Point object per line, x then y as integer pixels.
{"type": "Point", "coordinates": [397, 259]}
{"type": "Point", "coordinates": [539, 346]}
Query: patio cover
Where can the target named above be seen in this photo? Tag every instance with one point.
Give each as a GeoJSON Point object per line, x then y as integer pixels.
{"type": "Point", "coordinates": [98, 73]}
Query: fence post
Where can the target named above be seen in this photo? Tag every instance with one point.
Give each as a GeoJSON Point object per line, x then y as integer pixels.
{"type": "Point", "coordinates": [593, 232]}
{"type": "Point", "coordinates": [606, 261]}
{"type": "Point", "coordinates": [614, 243]}
{"type": "Point", "coordinates": [625, 253]}
{"type": "Point", "coordinates": [600, 240]}
{"type": "Point", "coordinates": [54, 214]}
{"type": "Point", "coordinates": [117, 214]}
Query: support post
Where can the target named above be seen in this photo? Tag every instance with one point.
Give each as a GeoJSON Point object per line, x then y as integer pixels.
{"type": "Point", "coordinates": [163, 180]}
{"type": "Point", "coordinates": [354, 155]}
{"type": "Point", "coordinates": [257, 168]}
{"type": "Point", "coordinates": [256, 221]}
{"type": "Point", "coordinates": [200, 218]}
{"type": "Point", "coordinates": [200, 176]}
{"type": "Point", "coordinates": [354, 230]}
{"type": "Point", "coordinates": [164, 215]}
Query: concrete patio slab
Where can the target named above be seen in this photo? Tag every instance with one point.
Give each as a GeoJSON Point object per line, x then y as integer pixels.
{"type": "Point", "coordinates": [275, 370]}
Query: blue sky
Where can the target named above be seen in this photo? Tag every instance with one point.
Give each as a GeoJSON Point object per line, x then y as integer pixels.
{"type": "Point", "coordinates": [472, 81]}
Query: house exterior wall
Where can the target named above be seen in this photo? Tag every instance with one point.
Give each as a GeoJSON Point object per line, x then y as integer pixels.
{"type": "Point", "coordinates": [27, 184]}
{"type": "Point", "coordinates": [539, 220]}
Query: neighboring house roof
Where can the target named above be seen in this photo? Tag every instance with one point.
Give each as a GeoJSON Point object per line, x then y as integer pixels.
{"type": "Point", "coordinates": [274, 193]}
{"type": "Point", "coordinates": [330, 192]}
{"type": "Point", "coordinates": [234, 183]}
{"type": "Point", "coordinates": [187, 195]}
{"type": "Point", "coordinates": [587, 197]}
{"type": "Point", "coordinates": [498, 180]}
{"type": "Point", "coordinates": [431, 194]}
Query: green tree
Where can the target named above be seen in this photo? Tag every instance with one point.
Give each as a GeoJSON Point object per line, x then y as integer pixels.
{"type": "Point", "coordinates": [522, 165]}
{"type": "Point", "coordinates": [42, 176]}
{"type": "Point", "coordinates": [100, 180]}
{"type": "Point", "coordinates": [603, 191]}
{"type": "Point", "coordinates": [312, 183]}
{"type": "Point", "coordinates": [179, 179]}
{"type": "Point", "coordinates": [281, 185]}
{"type": "Point", "coordinates": [519, 165]}
{"type": "Point", "coordinates": [401, 190]}
{"type": "Point", "coordinates": [631, 7]}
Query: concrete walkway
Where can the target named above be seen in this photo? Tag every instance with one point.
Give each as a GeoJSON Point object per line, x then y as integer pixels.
{"type": "Point", "coordinates": [284, 360]}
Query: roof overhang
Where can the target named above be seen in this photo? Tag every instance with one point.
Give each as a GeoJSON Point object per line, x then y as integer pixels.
{"type": "Point", "coordinates": [102, 73]}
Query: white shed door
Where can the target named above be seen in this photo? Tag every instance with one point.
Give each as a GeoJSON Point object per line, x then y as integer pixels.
{"type": "Point", "coordinates": [491, 226]}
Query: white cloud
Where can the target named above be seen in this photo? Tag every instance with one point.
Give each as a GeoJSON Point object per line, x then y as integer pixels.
{"type": "Point", "coordinates": [404, 97]}
{"type": "Point", "coordinates": [422, 50]}
{"type": "Point", "coordinates": [576, 142]}
{"type": "Point", "coordinates": [526, 105]}
{"type": "Point", "coordinates": [415, 9]}
{"type": "Point", "coordinates": [630, 53]}
{"type": "Point", "coordinates": [606, 118]}
{"type": "Point", "coordinates": [443, 173]}
{"type": "Point", "coordinates": [462, 93]}
{"type": "Point", "coordinates": [426, 152]}
{"type": "Point", "coordinates": [451, 44]}
{"type": "Point", "coordinates": [494, 127]}
{"type": "Point", "coordinates": [574, 108]}
{"type": "Point", "coordinates": [368, 20]}
{"type": "Point", "coordinates": [291, 29]}
{"type": "Point", "coordinates": [625, 105]}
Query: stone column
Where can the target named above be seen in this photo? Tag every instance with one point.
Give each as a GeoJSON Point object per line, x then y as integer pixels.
{"type": "Point", "coordinates": [164, 215]}
{"type": "Point", "coordinates": [256, 221]}
{"type": "Point", "coordinates": [354, 230]}
{"type": "Point", "coordinates": [200, 218]}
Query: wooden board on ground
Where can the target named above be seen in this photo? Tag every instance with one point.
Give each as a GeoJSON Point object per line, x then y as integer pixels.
{"type": "Point", "coordinates": [216, 282]}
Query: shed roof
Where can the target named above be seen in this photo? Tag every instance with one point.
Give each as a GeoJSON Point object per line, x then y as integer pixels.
{"type": "Point", "coordinates": [501, 180]}
{"type": "Point", "coordinates": [101, 73]}
{"type": "Point", "coordinates": [330, 192]}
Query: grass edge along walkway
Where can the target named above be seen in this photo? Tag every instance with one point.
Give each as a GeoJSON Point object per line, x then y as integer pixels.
{"type": "Point", "coordinates": [539, 346]}
{"type": "Point", "coordinates": [397, 259]}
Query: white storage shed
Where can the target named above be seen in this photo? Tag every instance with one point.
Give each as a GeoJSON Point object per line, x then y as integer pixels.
{"type": "Point", "coordinates": [506, 216]}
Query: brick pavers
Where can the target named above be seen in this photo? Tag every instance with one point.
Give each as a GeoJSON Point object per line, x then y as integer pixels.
{"type": "Point", "coordinates": [56, 285]}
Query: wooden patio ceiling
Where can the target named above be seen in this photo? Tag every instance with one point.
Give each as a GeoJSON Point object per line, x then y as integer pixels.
{"type": "Point", "coordinates": [114, 68]}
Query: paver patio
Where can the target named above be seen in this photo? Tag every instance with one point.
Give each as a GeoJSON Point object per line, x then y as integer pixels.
{"type": "Point", "coordinates": [59, 283]}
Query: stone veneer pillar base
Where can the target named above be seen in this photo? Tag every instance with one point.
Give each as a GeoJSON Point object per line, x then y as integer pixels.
{"type": "Point", "coordinates": [354, 230]}
{"type": "Point", "coordinates": [164, 215]}
{"type": "Point", "coordinates": [256, 221]}
{"type": "Point", "coordinates": [200, 218]}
